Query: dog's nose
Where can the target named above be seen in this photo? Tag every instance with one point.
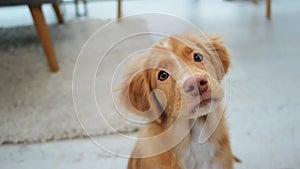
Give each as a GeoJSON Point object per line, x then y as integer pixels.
{"type": "Point", "coordinates": [195, 85]}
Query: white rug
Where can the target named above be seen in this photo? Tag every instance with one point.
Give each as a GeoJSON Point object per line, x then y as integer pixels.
{"type": "Point", "coordinates": [36, 105]}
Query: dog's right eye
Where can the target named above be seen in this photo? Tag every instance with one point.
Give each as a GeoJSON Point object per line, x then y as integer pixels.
{"type": "Point", "coordinates": [198, 57]}
{"type": "Point", "coordinates": [163, 75]}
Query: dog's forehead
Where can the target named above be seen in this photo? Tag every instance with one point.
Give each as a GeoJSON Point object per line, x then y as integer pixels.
{"type": "Point", "coordinates": [181, 47]}
{"type": "Point", "coordinates": [173, 52]}
{"type": "Point", "coordinates": [162, 59]}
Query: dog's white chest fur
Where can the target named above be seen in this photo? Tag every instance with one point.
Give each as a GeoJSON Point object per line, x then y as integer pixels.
{"type": "Point", "coordinates": [197, 155]}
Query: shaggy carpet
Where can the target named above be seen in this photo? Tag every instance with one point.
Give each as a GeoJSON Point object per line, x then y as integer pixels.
{"type": "Point", "coordinates": [35, 104]}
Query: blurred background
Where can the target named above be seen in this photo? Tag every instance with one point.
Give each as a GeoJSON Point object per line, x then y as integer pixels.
{"type": "Point", "coordinates": [40, 41]}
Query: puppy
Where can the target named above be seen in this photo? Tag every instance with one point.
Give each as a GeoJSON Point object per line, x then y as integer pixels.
{"type": "Point", "coordinates": [176, 85]}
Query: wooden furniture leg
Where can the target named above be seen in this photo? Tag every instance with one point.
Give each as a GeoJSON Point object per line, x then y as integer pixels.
{"type": "Point", "coordinates": [119, 10]}
{"type": "Point", "coordinates": [42, 30]}
{"type": "Point", "coordinates": [85, 13]}
{"type": "Point", "coordinates": [268, 4]}
{"type": "Point", "coordinates": [58, 13]}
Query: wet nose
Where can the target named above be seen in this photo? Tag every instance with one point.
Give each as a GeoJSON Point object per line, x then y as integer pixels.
{"type": "Point", "coordinates": [195, 85]}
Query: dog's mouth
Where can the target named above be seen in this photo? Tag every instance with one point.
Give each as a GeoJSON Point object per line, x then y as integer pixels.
{"type": "Point", "coordinates": [203, 107]}
{"type": "Point", "coordinates": [206, 101]}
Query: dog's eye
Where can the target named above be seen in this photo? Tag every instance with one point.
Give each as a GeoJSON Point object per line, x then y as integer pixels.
{"type": "Point", "coordinates": [198, 57]}
{"type": "Point", "coordinates": [163, 75]}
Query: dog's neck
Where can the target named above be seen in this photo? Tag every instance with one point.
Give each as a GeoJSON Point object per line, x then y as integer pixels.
{"type": "Point", "coordinates": [203, 126]}
{"type": "Point", "coordinates": [197, 150]}
{"type": "Point", "coordinates": [191, 141]}
{"type": "Point", "coordinates": [192, 152]}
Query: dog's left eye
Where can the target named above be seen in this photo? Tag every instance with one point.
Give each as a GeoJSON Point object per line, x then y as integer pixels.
{"type": "Point", "coordinates": [198, 57]}
{"type": "Point", "coordinates": [163, 75]}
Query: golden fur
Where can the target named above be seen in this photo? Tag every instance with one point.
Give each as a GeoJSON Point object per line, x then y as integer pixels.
{"type": "Point", "coordinates": [173, 108]}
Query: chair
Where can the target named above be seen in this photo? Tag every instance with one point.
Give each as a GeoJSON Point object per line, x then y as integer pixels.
{"type": "Point", "coordinates": [35, 7]}
{"type": "Point", "coordinates": [268, 8]}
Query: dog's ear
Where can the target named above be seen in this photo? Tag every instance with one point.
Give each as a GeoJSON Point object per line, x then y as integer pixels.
{"type": "Point", "coordinates": [219, 46]}
{"type": "Point", "coordinates": [135, 92]}
{"type": "Point", "coordinates": [136, 95]}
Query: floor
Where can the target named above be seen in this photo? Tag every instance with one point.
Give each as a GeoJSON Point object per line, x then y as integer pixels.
{"type": "Point", "coordinates": [263, 106]}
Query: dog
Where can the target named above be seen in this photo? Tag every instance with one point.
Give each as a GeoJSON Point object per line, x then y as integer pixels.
{"type": "Point", "coordinates": [177, 85]}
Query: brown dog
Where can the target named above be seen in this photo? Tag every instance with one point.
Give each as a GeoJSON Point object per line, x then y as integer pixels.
{"type": "Point", "coordinates": [177, 86]}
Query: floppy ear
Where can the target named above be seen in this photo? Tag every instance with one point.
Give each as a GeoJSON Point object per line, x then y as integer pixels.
{"type": "Point", "coordinates": [221, 50]}
{"type": "Point", "coordinates": [135, 92]}
{"type": "Point", "coordinates": [137, 96]}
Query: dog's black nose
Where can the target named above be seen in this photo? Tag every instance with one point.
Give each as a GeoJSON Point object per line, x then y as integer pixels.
{"type": "Point", "coordinates": [195, 85]}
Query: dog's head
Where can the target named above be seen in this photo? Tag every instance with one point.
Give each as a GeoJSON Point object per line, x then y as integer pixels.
{"type": "Point", "coordinates": [180, 75]}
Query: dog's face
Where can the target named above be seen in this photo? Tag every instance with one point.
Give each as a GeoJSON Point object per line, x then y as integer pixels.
{"type": "Point", "coordinates": [179, 76]}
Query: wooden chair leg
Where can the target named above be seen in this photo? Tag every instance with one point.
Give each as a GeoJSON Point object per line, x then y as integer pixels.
{"type": "Point", "coordinates": [268, 4]}
{"type": "Point", "coordinates": [42, 30]}
{"type": "Point", "coordinates": [58, 13]}
{"type": "Point", "coordinates": [119, 10]}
